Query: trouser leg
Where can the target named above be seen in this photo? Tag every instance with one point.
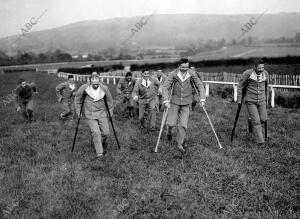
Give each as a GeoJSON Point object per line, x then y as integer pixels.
{"type": "Point", "coordinates": [142, 108]}
{"type": "Point", "coordinates": [104, 128]}
{"type": "Point", "coordinates": [262, 109]}
{"type": "Point", "coordinates": [183, 116]}
{"type": "Point", "coordinates": [153, 110]}
{"type": "Point", "coordinates": [256, 123]}
{"type": "Point", "coordinates": [23, 107]}
{"type": "Point", "coordinates": [66, 110]}
{"type": "Point", "coordinates": [172, 119]}
{"type": "Point", "coordinates": [96, 134]}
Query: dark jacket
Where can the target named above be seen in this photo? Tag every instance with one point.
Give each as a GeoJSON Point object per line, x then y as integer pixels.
{"type": "Point", "coordinates": [125, 88]}
{"type": "Point", "coordinates": [64, 91]}
{"type": "Point", "coordinates": [23, 95]}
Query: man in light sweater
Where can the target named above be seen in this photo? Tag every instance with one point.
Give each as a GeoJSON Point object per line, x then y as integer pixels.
{"type": "Point", "coordinates": [182, 80]}
{"type": "Point", "coordinates": [255, 84]}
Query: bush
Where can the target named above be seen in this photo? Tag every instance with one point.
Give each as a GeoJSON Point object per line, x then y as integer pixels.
{"type": "Point", "coordinates": [87, 71]}
{"type": "Point", "coordinates": [287, 99]}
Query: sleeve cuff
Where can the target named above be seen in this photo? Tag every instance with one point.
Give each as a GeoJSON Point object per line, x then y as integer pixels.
{"type": "Point", "coordinates": [202, 100]}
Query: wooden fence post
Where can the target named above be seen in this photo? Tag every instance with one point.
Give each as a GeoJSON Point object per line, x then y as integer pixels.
{"type": "Point", "coordinates": [272, 97]}
{"type": "Point", "coordinates": [206, 89]}
{"type": "Point", "coordinates": [235, 92]}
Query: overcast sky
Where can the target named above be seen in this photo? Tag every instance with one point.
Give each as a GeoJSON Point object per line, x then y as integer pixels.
{"type": "Point", "coordinates": [14, 14]}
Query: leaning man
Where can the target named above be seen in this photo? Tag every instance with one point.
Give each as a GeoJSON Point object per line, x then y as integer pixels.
{"type": "Point", "coordinates": [65, 92]}
{"type": "Point", "coordinates": [254, 85]}
{"type": "Point", "coordinates": [24, 98]}
{"type": "Point", "coordinates": [94, 110]}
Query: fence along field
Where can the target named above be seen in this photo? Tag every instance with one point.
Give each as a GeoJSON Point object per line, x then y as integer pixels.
{"type": "Point", "coordinates": [41, 178]}
{"type": "Point", "coordinates": [223, 78]}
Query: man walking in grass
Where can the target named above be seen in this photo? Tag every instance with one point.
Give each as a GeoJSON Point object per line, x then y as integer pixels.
{"type": "Point", "coordinates": [254, 83]}
{"type": "Point", "coordinates": [94, 110]}
{"type": "Point", "coordinates": [24, 98]}
{"type": "Point", "coordinates": [65, 92]}
{"type": "Point", "coordinates": [161, 77]}
{"type": "Point", "coordinates": [124, 90]}
{"type": "Point", "coordinates": [145, 92]}
{"type": "Point", "coordinates": [182, 80]}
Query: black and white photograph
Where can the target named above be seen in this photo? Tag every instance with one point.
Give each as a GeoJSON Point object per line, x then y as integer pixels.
{"type": "Point", "coordinates": [150, 109]}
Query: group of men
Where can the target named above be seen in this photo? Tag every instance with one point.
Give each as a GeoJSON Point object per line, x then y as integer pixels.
{"type": "Point", "coordinates": [175, 91]}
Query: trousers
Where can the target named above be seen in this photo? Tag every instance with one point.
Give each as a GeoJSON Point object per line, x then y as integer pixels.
{"type": "Point", "coordinates": [180, 114]}
{"type": "Point", "coordinates": [100, 132]}
{"type": "Point", "coordinates": [258, 115]}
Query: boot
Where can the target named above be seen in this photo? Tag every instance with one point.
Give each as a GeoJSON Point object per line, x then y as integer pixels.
{"type": "Point", "coordinates": [30, 115]}
{"type": "Point", "coordinates": [169, 134]}
{"type": "Point", "coordinates": [104, 144]}
{"type": "Point", "coordinates": [249, 125]}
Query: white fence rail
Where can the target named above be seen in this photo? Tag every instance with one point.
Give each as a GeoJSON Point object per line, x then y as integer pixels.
{"type": "Point", "coordinates": [83, 78]}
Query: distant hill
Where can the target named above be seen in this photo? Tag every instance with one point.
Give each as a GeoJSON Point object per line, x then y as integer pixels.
{"type": "Point", "coordinates": [160, 31]}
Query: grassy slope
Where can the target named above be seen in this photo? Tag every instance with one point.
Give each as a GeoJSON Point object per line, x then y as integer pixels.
{"type": "Point", "coordinates": [40, 177]}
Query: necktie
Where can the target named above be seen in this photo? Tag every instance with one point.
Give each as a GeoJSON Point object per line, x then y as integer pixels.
{"type": "Point", "coordinates": [146, 83]}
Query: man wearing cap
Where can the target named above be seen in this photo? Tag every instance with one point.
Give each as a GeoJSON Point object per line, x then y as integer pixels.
{"type": "Point", "coordinates": [161, 77]}
{"type": "Point", "coordinates": [255, 83]}
{"type": "Point", "coordinates": [24, 98]}
{"type": "Point", "coordinates": [95, 112]}
{"type": "Point", "coordinates": [145, 92]}
{"type": "Point", "coordinates": [124, 90]}
{"type": "Point", "coordinates": [182, 80]}
{"type": "Point", "coordinates": [65, 92]}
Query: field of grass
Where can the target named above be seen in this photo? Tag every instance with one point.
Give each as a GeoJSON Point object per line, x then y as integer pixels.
{"type": "Point", "coordinates": [41, 178]}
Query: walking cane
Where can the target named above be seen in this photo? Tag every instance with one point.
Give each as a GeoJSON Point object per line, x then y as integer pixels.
{"type": "Point", "coordinates": [220, 146]}
{"type": "Point", "coordinates": [267, 100]}
{"type": "Point", "coordinates": [239, 109]}
{"type": "Point", "coordinates": [111, 121]}
{"type": "Point", "coordinates": [165, 113]}
{"type": "Point", "coordinates": [82, 102]}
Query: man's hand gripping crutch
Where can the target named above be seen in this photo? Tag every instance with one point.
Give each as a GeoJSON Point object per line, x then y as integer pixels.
{"type": "Point", "coordinates": [163, 120]}
{"type": "Point", "coordinates": [202, 105]}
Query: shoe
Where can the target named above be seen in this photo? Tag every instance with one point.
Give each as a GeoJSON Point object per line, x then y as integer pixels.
{"type": "Point", "coordinates": [104, 145]}
{"type": "Point", "coordinates": [98, 157]}
{"type": "Point", "coordinates": [181, 149]}
{"type": "Point", "coordinates": [249, 126]}
{"type": "Point", "coordinates": [261, 144]}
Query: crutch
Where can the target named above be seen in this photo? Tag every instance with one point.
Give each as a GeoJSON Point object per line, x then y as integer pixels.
{"type": "Point", "coordinates": [220, 146]}
{"type": "Point", "coordinates": [82, 102]}
{"type": "Point", "coordinates": [165, 113]}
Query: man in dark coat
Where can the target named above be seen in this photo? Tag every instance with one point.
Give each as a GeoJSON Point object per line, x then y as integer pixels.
{"type": "Point", "coordinates": [24, 98]}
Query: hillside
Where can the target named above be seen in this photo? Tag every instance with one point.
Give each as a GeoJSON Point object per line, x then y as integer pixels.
{"type": "Point", "coordinates": [41, 178]}
{"type": "Point", "coordinates": [161, 31]}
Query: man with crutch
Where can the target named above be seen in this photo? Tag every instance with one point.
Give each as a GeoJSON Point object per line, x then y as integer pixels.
{"type": "Point", "coordinates": [254, 82]}
{"type": "Point", "coordinates": [95, 105]}
{"type": "Point", "coordinates": [180, 101]}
